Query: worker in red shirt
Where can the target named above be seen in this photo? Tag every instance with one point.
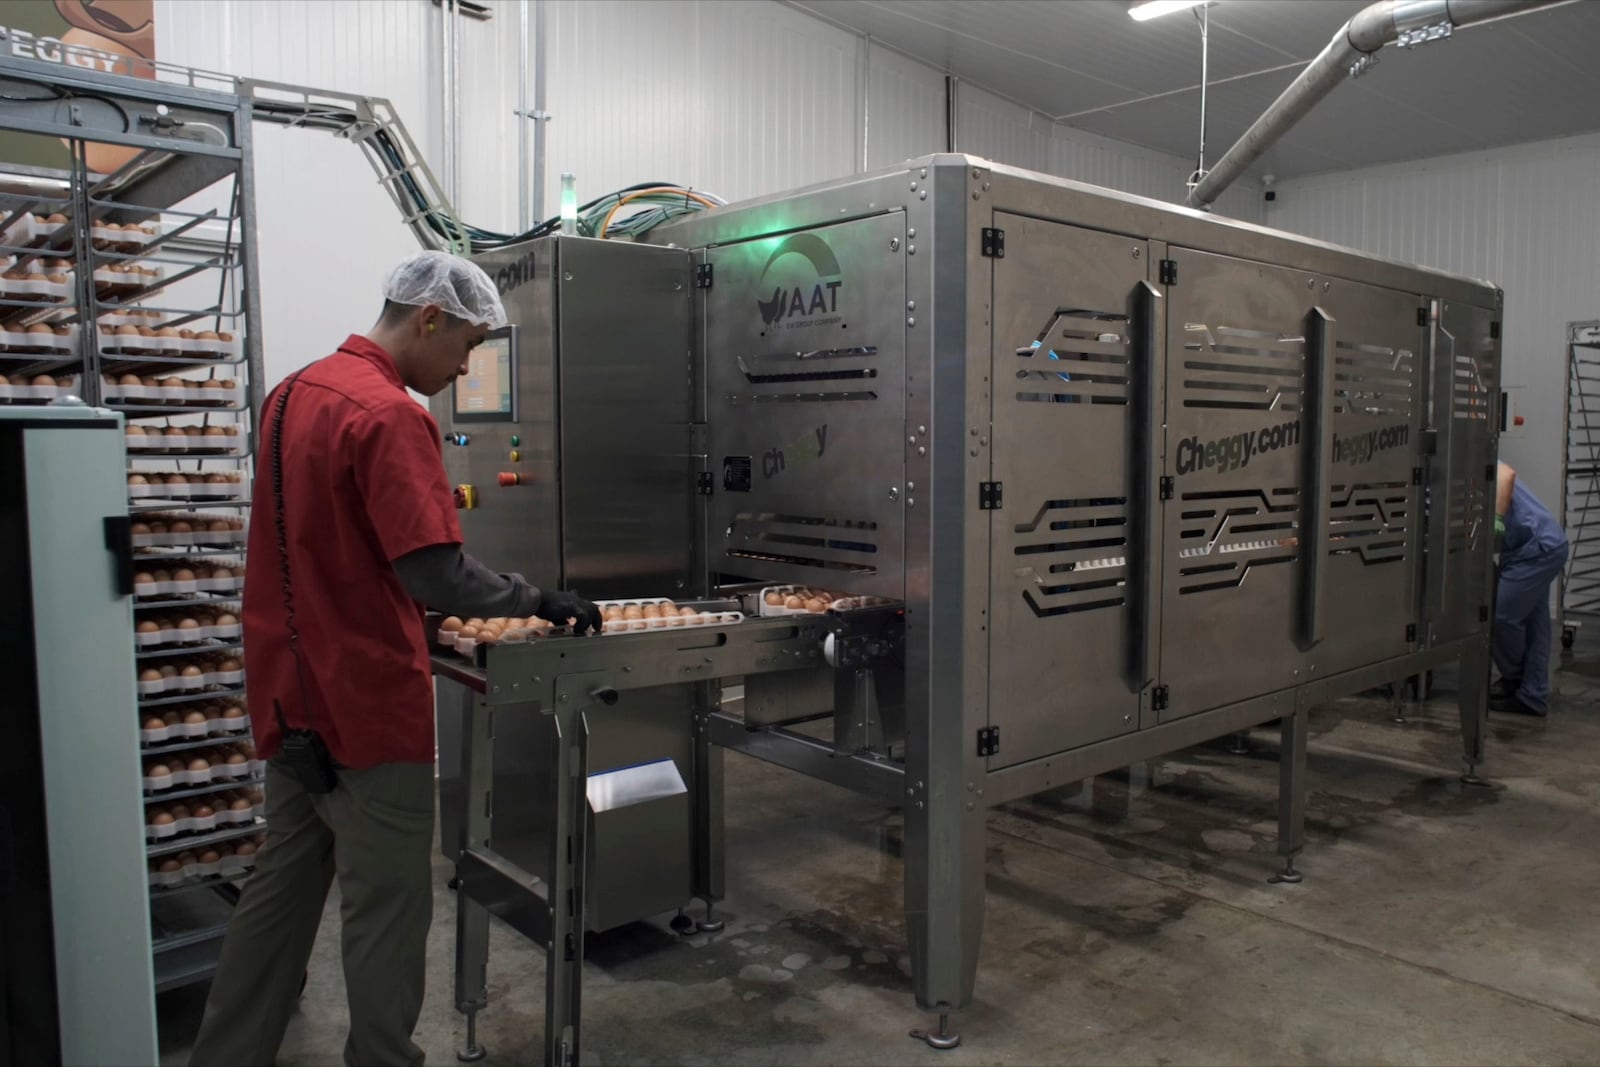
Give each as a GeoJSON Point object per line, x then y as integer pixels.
{"type": "Point", "coordinates": [353, 530]}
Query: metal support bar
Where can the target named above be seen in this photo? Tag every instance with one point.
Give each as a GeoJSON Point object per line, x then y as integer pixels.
{"type": "Point", "coordinates": [1316, 457]}
{"type": "Point", "coordinates": [873, 777]}
{"type": "Point", "coordinates": [1143, 369]}
{"type": "Point", "coordinates": [1291, 792]}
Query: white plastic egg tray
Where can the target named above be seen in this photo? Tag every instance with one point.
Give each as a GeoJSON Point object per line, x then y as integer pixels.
{"type": "Point", "coordinates": [120, 346]}
{"type": "Point", "coordinates": [223, 774]}
{"type": "Point", "coordinates": [212, 396]}
{"type": "Point", "coordinates": [228, 866]}
{"type": "Point", "coordinates": [27, 230]}
{"type": "Point", "coordinates": [220, 728]}
{"type": "Point", "coordinates": [108, 280]}
{"type": "Point", "coordinates": [220, 820]}
{"type": "Point", "coordinates": [38, 289]}
{"type": "Point", "coordinates": [198, 585]}
{"type": "Point", "coordinates": [180, 442]}
{"type": "Point", "coordinates": [197, 537]}
{"type": "Point", "coordinates": [180, 684]}
{"type": "Point", "coordinates": [133, 240]}
{"type": "Point", "coordinates": [189, 490]}
{"type": "Point", "coordinates": [831, 601]}
{"type": "Point", "coordinates": [175, 636]}
{"type": "Point", "coordinates": [38, 394]}
{"type": "Point", "coordinates": [40, 343]}
{"type": "Point", "coordinates": [664, 622]}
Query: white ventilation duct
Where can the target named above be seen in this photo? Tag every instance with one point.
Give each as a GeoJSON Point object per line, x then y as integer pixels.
{"type": "Point", "coordinates": [1409, 22]}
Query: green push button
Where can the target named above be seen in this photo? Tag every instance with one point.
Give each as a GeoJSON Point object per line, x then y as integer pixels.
{"type": "Point", "coordinates": [515, 440]}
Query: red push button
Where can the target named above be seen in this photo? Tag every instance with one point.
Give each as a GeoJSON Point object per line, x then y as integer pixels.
{"type": "Point", "coordinates": [510, 478]}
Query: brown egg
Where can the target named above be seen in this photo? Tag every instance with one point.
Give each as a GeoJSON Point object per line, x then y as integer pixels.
{"type": "Point", "coordinates": [147, 626]}
{"type": "Point", "coordinates": [41, 328]}
{"type": "Point", "coordinates": [168, 865]}
{"type": "Point", "coordinates": [674, 619]}
{"type": "Point", "coordinates": [177, 479]}
{"type": "Point", "coordinates": [181, 527]}
{"type": "Point", "coordinates": [204, 811]}
{"type": "Point", "coordinates": [774, 599]}
{"type": "Point", "coordinates": [210, 855]}
{"type": "Point", "coordinates": [45, 380]}
{"type": "Point", "coordinates": [149, 674]}
{"type": "Point", "coordinates": [157, 770]}
{"type": "Point", "coordinates": [187, 858]}
{"type": "Point", "coordinates": [195, 718]}
{"type": "Point", "coordinates": [205, 335]}
{"type": "Point", "coordinates": [224, 336]}
{"type": "Point", "coordinates": [468, 633]}
{"type": "Point", "coordinates": [611, 611]}
{"type": "Point", "coordinates": [143, 577]}
{"type": "Point", "coordinates": [162, 818]}
{"type": "Point", "coordinates": [199, 763]}
{"type": "Point", "coordinates": [179, 811]}
{"type": "Point", "coordinates": [220, 526]}
{"type": "Point", "coordinates": [169, 671]}
{"type": "Point", "coordinates": [489, 637]}
{"type": "Point", "coordinates": [236, 758]}
{"type": "Point", "coordinates": [230, 664]}
{"type": "Point", "coordinates": [183, 574]}
{"type": "Point", "coordinates": [145, 331]}
{"type": "Point", "coordinates": [816, 604]}
{"type": "Point", "coordinates": [125, 331]}
{"type": "Point", "coordinates": [450, 625]}
{"type": "Point", "coordinates": [56, 220]}
{"type": "Point", "coordinates": [227, 618]}
{"type": "Point", "coordinates": [187, 335]}
{"type": "Point", "coordinates": [167, 331]}
{"type": "Point", "coordinates": [652, 611]}
{"type": "Point", "coordinates": [154, 723]}
{"type": "Point", "coordinates": [242, 804]}
{"type": "Point", "coordinates": [129, 431]}
{"type": "Point", "coordinates": [171, 718]}
{"type": "Point", "coordinates": [56, 279]}
{"type": "Point", "coordinates": [233, 711]}
{"type": "Point", "coordinates": [172, 383]}
{"type": "Point", "coordinates": [245, 848]}
{"type": "Point", "coordinates": [189, 624]}
{"type": "Point", "coordinates": [212, 431]}
{"type": "Point", "coordinates": [221, 573]}
{"type": "Point", "coordinates": [794, 603]}
{"type": "Point", "coordinates": [687, 613]}
{"type": "Point", "coordinates": [632, 611]}
{"type": "Point", "coordinates": [130, 379]}
{"type": "Point", "coordinates": [191, 671]}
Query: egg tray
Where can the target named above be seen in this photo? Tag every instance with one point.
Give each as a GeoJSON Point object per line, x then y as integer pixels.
{"type": "Point", "coordinates": [191, 825]}
{"type": "Point", "coordinates": [222, 775]}
{"type": "Point", "coordinates": [124, 346]}
{"type": "Point", "coordinates": [176, 636]}
{"type": "Point", "coordinates": [38, 343]}
{"type": "Point", "coordinates": [833, 601]}
{"type": "Point", "coordinates": [222, 729]}
{"type": "Point", "coordinates": [37, 394]}
{"type": "Point", "coordinates": [191, 684]}
{"type": "Point", "coordinates": [168, 443]}
{"type": "Point", "coordinates": [230, 866]}
{"type": "Point", "coordinates": [197, 586]}
{"type": "Point", "coordinates": [198, 537]}
{"type": "Point", "coordinates": [36, 290]}
{"type": "Point", "coordinates": [204, 491]}
{"type": "Point", "coordinates": [173, 394]}
{"type": "Point", "coordinates": [119, 240]}
{"type": "Point", "coordinates": [108, 281]}
{"type": "Point", "coordinates": [26, 231]}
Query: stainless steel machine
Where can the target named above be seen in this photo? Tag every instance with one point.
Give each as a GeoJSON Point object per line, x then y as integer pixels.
{"type": "Point", "coordinates": [1123, 477]}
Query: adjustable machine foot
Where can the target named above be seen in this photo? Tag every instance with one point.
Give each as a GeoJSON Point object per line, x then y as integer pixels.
{"type": "Point", "coordinates": [708, 925]}
{"type": "Point", "coordinates": [943, 1039]}
{"type": "Point", "coordinates": [1471, 777]}
{"type": "Point", "coordinates": [1287, 876]}
{"type": "Point", "coordinates": [474, 1051]}
{"type": "Point", "coordinates": [1240, 743]}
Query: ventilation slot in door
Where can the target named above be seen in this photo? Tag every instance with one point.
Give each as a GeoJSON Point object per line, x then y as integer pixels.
{"type": "Point", "coordinates": [825, 544]}
{"type": "Point", "coordinates": [1370, 521]}
{"type": "Point", "coordinates": [1372, 380]}
{"type": "Point", "coordinates": [1225, 534]}
{"type": "Point", "coordinates": [1080, 357]}
{"type": "Point", "coordinates": [1242, 370]}
{"type": "Point", "coordinates": [1072, 556]}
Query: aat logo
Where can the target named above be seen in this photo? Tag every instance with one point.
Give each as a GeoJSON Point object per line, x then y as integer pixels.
{"type": "Point", "coordinates": [804, 277]}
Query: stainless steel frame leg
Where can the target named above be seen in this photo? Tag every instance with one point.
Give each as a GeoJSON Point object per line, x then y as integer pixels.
{"type": "Point", "coordinates": [1397, 702]}
{"type": "Point", "coordinates": [709, 882]}
{"type": "Point", "coordinates": [472, 919]}
{"type": "Point", "coordinates": [474, 1051]}
{"type": "Point", "coordinates": [564, 954]}
{"type": "Point", "coordinates": [1291, 794]}
{"type": "Point", "coordinates": [1473, 702]}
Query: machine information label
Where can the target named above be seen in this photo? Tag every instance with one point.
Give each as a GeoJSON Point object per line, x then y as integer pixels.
{"type": "Point", "coordinates": [1235, 451]}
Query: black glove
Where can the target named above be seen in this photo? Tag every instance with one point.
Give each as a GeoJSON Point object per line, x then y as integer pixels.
{"type": "Point", "coordinates": [561, 608]}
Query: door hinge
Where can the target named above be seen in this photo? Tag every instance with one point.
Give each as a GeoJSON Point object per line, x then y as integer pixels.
{"type": "Point", "coordinates": [1416, 475]}
{"type": "Point", "coordinates": [1494, 331]}
{"type": "Point", "coordinates": [1166, 487]}
{"type": "Point", "coordinates": [1422, 316]}
{"type": "Point", "coordinates": [1158, 698]}
{"type": "Point", "coordinates": [1483, 613]}
{"type": "Point", "coordinates": [702, 276]}
{"type": "Point", "coordinates": [988, 740]}
{"type": "Point", "coordinates": [1411, 633]}
{"type": "Point", "coordinates": [702, 482]}
{"type": "Point", "coordinates": [1169, 272]}
{"type": "Point", "coordinates": [989, 494]}
{"type": "Point", "coordinates": [994, 243]}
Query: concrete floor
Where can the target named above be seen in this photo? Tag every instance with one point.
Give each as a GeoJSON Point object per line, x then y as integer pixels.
{"type": "Point", "coordinates": [1436, 924]}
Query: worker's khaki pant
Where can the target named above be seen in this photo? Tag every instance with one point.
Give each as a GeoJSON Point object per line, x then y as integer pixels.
{"type": "Point", "coordinates": [376, 832]}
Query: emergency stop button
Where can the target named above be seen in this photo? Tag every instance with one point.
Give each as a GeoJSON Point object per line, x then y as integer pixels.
{"type": "Point", "coordinates": [466, 497]}
{"type": "Point", "coordinates": [510, 478]}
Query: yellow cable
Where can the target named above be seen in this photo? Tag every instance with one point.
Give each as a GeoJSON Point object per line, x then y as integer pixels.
{"type": "Point", "coordinates": [651, 192]}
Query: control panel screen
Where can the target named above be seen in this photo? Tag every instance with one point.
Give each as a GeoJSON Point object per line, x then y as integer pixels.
{"type": "Point", "coordinates": [488, 391]}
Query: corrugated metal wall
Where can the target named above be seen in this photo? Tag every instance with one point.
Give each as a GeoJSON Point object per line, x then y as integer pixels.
{"type": "Point", "coordinates": [1524, 217]}
{"type": "Point", "coordinates": [743, 98]}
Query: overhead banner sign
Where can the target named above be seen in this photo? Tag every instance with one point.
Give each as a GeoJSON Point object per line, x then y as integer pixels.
{"type": "Point", "coordinates": [102, 35]}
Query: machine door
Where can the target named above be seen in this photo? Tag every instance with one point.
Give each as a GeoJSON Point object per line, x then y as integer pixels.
{"type": "Point", "coordinates": [1373, 520]}
{"type": "Point", "coordinates": [1461, 491]}
{"type": "Point", "coordinates": [1235, 378]}
{"type": "Point", "coordinates": [804, 338]}
{"type": "Point", "coordinates": [1066, 456]}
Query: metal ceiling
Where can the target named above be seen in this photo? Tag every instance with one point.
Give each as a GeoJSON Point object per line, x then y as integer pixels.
{"type": "Point", "coordinates": [1088, 65]}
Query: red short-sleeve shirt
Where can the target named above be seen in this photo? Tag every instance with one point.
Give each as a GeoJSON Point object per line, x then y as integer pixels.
{"type": "Point", "coordinates": [363, 484]}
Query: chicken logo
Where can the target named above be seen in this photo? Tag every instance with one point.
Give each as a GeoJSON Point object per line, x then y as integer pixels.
{"type": "Point", "coordinates": [804, 275]}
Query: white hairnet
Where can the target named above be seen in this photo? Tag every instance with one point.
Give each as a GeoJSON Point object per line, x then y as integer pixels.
{"type": "Point", "coordinates": [459, 287]}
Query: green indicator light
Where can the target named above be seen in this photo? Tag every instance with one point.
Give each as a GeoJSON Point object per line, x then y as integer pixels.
{"type": "Point", "coordinates": [515, 440]}
{"type": "Point", "coordinates": [569, 203]}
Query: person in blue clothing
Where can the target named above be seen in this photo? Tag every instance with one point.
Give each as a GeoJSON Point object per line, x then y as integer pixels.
{"type": "Point", "coordinates": [1533, 549]}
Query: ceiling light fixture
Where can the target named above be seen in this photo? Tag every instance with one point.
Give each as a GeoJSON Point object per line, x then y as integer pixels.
{"type": "Point", "coordinates": [1153, 9]}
